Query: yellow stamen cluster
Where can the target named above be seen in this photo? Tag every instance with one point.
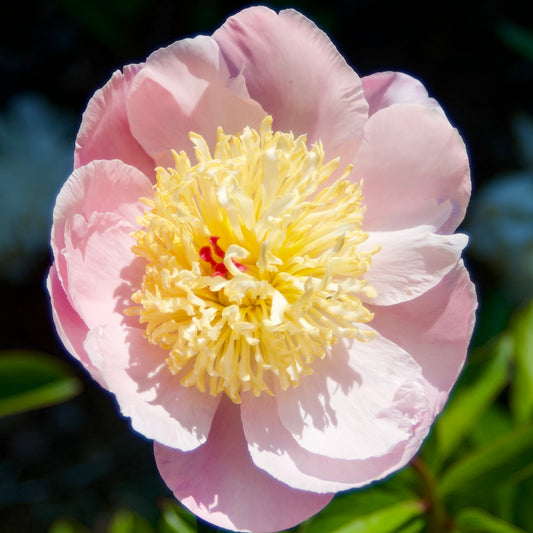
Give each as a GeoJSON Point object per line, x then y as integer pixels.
{"type": "Point", "coordinates": [290, 284]}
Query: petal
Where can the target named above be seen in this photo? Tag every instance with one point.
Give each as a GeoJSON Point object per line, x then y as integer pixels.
{"type": "Point", "coordinates": [295, 72]}
{"type": "Point", "coordinates": [435, 329]}
{"type": "Point", "coordinates": [99, 259]}
{"type": "Point", "coordinates": [411, 159]}
{"type": "Point", "coordinates": [220, 484]}
{"type": "Point", "coordinates": [410, 262]}
{"type": "Point", "coordinates": [186, 87]}
{"type": "Point", "coordinates": [273, 449]}
{"type": "Point", "coordinates": [70, 327]}
{"type": "Point", "coordinates": [160, 408]}
{"type": "Point", "coordinates": [99, 187]}
{"type": "Point", "coordinates": [105, 132]}
{"type": "Point", "coordinates": [361, 401]}
{"type": "Point", "coordinates": [384, 89]}
{"type": "Point", "coordinates": [103, 187]}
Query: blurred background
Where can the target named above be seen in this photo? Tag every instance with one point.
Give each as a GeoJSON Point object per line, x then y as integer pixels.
{"type": "Point", "coordinates": [78, 460]}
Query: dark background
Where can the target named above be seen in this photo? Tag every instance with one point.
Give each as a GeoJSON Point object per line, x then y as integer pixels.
{"type": "Point", "coordinates": [80, 459]}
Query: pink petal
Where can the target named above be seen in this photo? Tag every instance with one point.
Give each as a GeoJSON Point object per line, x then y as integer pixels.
{"type": "Point", "coordinates": [100, 264]}
{"type": "Point", "coordinates": [273, 449]}
{"type": "Point", "coordinates": [295, 72]}
{"type": "Point", "coordinates": [435, 329]}
{"type": "Point", "coordinates": [410, 159]}
{"type": "Point", "coordinates": [99, 187]}
{"type": "Point", "coordinates": [220, 484]}
{"type": "Point", "coordinates": [105, 132]}
{"type": "Point", "coordinates": [160, 408]}
{"type": "Point", "coordinates": [186, 87]}
{"type": "Point", "coordinates": [410, 262]}
{"type": "Point", "coordinates": [70, 327]}
{"type": "Point", "coordinates": [384, 89]}
{"type": "Point", "coordinates": [361, 401]}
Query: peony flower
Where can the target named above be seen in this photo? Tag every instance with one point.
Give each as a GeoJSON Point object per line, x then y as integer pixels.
{"type": "Point", "coordinates": [281, 304]}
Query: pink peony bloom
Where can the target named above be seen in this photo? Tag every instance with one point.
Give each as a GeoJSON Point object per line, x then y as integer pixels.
{"type": "Point", "coordinates": [281, 304]}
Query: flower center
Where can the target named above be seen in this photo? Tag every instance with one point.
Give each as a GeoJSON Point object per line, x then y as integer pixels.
{"type": "Point", "coordinates": [252, 264]}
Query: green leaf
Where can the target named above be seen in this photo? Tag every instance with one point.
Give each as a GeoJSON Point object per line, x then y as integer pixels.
{"type": "Point", "coordinates": [31, 380]}
{"type": "Point", "coordinates": [495, 421]}
{"type": "Point", "coordinates": [483, 460]}
{"type": "Point", "coordinates": [470, 402]}
{"type": "Point", "coordinates": [64, 525]}
{"type": "Point", "coordinates": [345, 506]}
{"type": "Point", "coordinates": [479, 521]}
{"type": "Point", "coordinates": [385, 520]}
{"type": "Point", "coordinates": [175, 519]}
{"type": "Point", "coordinates": [126, 521]}
{"type": "Point", "coordinates": [522, 384]}
{"type": "Point", "coordinates": [416, 526]}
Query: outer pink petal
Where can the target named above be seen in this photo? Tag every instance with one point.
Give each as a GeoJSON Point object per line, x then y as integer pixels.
{"type": "Point", "coordinates": [295, 72]}
{"type": "Point", "coordinates": [384, 89]}
{"type": "Point", "coordinates": [435, 329]}
{"type": "Point", "coordinates": [186, 87]}
{"type": "Point", "coordinates": [99, 187]}
{"type": "Point", "coordinates": [361, 401]}
{"type": "Point", "coordinates": [410, 262]}
{"type": "Point", "coordinates": [159, 406]}
{"type": "Point", "coordinates": [411, 159]}
{"type": "Point", "coordinates": [273, 449]}
{"type": "Point", "coordinates": [219, 483]}
{"type": "Point", "coordinates": [99, 263]}
{"type": "Point", "coordinates": [105, 132]}
{"type": "Point", "coordinates": [70, 327]}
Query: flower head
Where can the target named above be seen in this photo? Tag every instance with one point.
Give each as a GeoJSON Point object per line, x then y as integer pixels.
{"type": "Point", "coordinates": [255, 254]}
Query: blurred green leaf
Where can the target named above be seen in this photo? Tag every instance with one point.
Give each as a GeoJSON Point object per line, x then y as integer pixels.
{"type": "Point", "coordinates": [522, 384]}
{"type": "Point", "coordinates": [469, 403]}
{"type": "Point", "coordinates": [65, 525]}
{"type": "Point", "coordinates": [175, 519]}
{"type": "Point", "coordinates": [31, 380]}
{"type": "Point", "coordinates": [492, 423]}
{"type": "Point", "coordinates": [385, 520]}
{"type": "Point", "coordinates": [522, 514]}
{"type": "Point", "coordinates": [479, 521]}
{"type": "Point", "coordinates": [517, 38]}
{"type": "Point", "coordinates": [126, 521]}
{"type": "Point", "coordinates": [345, 506]}
{"type": "Point", "coordinates": [490, 457]}
{"type": "Point", "coordinates": [417, 525]}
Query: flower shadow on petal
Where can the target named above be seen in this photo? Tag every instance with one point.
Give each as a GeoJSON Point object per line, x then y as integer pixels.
{"type": "Point", "coordinates": [312, 399]}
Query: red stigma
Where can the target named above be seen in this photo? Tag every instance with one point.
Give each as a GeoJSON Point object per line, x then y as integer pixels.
{"type": "Point", "coordinates": [220, 269]}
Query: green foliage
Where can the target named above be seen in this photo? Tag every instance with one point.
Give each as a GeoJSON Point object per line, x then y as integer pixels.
{"type": "Point", "coordinates": [522, 386]}
{"type": "Point", "coordinates": [385, 520]}
{"type": "Point", "coordinates": [470, 402]}
{"type": "Point", "coordinates": [479, 521]}
{"type": "Point", "coordinates": [175, 519]}
{"type": "Point", "coordinates": [501, 452]}
{"type": "Point", "coordinates": [32, 380]}
{"type": "Point", "coordinates": [126, 521]}
{"type": "Point", "coordinates": [67, 526]}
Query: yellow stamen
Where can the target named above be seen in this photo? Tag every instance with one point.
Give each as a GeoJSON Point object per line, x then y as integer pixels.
{"type": "Point", "coordinates": [252, 268]}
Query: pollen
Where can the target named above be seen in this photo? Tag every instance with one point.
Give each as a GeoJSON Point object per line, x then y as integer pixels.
{"type": "Point", "coordinates": [253, 263]}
